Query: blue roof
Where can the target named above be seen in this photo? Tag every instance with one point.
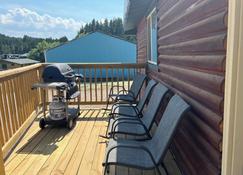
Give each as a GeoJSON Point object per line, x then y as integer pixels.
{"type": "Point", "coordinates": [95, 47]}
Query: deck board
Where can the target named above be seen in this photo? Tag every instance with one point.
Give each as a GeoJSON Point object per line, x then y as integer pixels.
{"type": "Point", "coordinates": [57, 151]}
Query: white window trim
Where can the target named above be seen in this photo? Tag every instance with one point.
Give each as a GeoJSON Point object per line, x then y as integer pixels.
{"type": "Point", "coordinates": [149, 60]}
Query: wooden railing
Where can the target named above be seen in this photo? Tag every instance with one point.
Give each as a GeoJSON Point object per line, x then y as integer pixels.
{"type": "Point", "coordinates": [99, 78]}
{"type": "Point", "coordinates": [19, 104]}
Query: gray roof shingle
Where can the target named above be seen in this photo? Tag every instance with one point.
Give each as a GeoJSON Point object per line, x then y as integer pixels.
{"type": "Point", "coordinates": [21, 61]}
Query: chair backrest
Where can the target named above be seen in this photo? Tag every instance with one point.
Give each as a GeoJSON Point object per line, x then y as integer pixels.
{"type": "Point", "coordinates": [165, 131]}
{"type": "Point", "coordinates": [155, 100]}
{"type": "Point", "coordinates": [137, 84]}
{"type": "Point", "coordinates": [146, 95]}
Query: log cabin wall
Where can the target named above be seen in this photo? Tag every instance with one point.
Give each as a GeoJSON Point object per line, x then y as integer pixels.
{"type": "Point", "coordinates": [142, 41]}
{"type": "Point", "coordinates": [191, 61]}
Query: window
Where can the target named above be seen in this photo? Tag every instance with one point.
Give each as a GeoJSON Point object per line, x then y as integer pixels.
{"type": "Point", "coordinates": [152, 53]}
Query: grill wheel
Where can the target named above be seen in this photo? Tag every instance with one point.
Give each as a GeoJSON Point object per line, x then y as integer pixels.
{"type": "Point", "coordinates": [70, 123]}
{"type": "Point", "coordinates": [42, 123]}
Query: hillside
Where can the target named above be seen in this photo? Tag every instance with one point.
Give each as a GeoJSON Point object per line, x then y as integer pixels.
{"type": "Point", "coordinates": [14, 45]}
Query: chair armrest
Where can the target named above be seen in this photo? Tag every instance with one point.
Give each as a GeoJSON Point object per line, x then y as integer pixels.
{"type": "Point", "coordinates": [129, 93]}
{"type": "Point", "coordinates": [122, 92]}
{"type": "Point", "coordinates": [133, 95]}
{"type": "Point", "coordinates": [135, 109]}
{"type": "Point", "coordinates": [115, 115]}
{"type": "Point", "coordinates": [127, 118]}
{"type": "Point", "coordinates": [117, 104]}
{"type": "Point", "coordinates": [123, 121]}
{"type": "Point", "coordinates": [112, 89]}
{"type": "Point", "coordinates": [131, 146]}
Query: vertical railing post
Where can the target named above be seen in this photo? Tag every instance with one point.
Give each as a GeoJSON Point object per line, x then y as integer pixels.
{"type": "Point", "coordinates": [2, 169]}
{"type": "Point", "coordinates": [96, 85]}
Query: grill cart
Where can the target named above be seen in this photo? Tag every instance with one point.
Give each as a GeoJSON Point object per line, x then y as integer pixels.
{"type": "Point", "coordinates": [61, 79]}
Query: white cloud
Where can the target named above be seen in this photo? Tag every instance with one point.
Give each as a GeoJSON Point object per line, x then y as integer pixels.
{"type": "Point", "coordinates": [29, 21]}
{"type": "Point", "coordinates": [102, 20]}
{"type": "Point", "coordinates": [5, 19]}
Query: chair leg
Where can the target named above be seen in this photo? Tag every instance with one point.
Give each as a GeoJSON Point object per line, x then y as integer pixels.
{"type": "Point", "coordinates": [157, 169]}
{"type": "Point", "coordinates": [164, 167]}
{"type": "Point", "coordinates": [106, 136]}
{"type": "Point", "coordinates": [107, 169]}
{"type": "Point", "coordinates": [107, 103]}
{"type": "Point", "coordinates": [107, 129]}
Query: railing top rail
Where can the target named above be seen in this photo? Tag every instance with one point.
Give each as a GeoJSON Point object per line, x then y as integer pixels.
{"type": "Point", "coordinates": [13, 72]}
{"type": "Point", "coordinates": [107, 65]}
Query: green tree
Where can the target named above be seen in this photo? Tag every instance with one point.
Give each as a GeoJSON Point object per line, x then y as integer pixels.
{"type": "Point", "coordinates": [97, 25]}
{"type": "Point", "coordinates": [113, 27]}
{"type": "Point", "coordinates": [13, 45]}
{"type": "Point", "coordinates": [93, 25]}
{"type": "Point", "coordinates": [38, 52]}
{"type": "Point", "coordinates": [63, 39]}
{"type": "Point", "coordinates": [106, 26]}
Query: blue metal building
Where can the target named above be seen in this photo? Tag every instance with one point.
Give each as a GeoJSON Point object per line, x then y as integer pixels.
{"type": "Point", "coordinates": [95, 47]}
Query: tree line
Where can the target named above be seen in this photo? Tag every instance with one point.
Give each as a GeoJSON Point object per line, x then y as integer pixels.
{"type": "Point", "coordinates": [14, 45]}
{"type": "Point", "coordinates": [112, 27]}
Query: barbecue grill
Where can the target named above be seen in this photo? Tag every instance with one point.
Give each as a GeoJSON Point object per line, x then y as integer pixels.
{"type": "Point", "coordinates": [62, 79]}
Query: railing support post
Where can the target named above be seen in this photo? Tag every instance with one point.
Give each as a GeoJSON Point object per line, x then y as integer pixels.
{"type": "Point", "coordinates": [2, 169]}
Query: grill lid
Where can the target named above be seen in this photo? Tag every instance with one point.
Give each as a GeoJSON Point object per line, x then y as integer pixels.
{"type": "Point", "coordinates": [58, 72]}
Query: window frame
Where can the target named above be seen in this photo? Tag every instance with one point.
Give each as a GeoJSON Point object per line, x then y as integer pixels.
{"type": "Point", "coordinates": [149, 37]}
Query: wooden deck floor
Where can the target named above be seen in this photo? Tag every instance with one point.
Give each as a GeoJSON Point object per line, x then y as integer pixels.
{"type": "Point", "coordinates": [59, 151]}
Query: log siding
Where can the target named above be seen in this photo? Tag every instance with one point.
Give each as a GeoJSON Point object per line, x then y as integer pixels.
{"type": "Point", "coordinates": [192, 39]}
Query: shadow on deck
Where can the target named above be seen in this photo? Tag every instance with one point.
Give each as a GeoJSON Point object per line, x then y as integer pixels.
{"type": "Point", "coordinates": [57, 150]}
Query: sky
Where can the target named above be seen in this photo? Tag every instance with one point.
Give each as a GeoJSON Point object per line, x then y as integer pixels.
{"type": "Point", "coordinates": [54, 18]}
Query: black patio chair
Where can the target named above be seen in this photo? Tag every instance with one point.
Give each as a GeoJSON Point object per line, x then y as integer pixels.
{"type": "Point", "coordinates": [133, 110]}
{"type": "Point", "coordinates": [130, 110]}
{"type": "Point", "coordinates": [137, 126]}
{"type": "Point", "coordinates": [127, 96]}
{"type": "Point", "coordinates": [148, 154]}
